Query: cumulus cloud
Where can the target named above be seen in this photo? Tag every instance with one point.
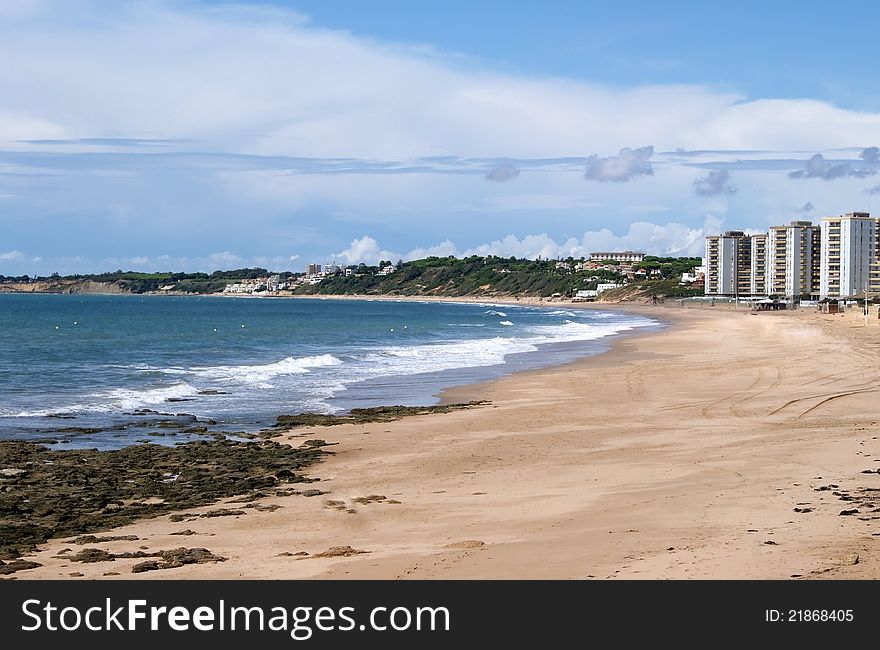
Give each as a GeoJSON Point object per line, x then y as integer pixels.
{"type": "Point", "coordinates": [626, 165]}
{"type": "Point", "coordinates": [870, 154]}
{"type": "Point", "coordinates": [366, 250]}
{"type": "Point", "coordinates": [807, 207]}
{"type": "Point", "coordinates": [530, 246]}
{"type": "Point", "coordinates": [502, 173]}
{"type": "Point", "coordinates": [873, 190]}
{"type": "Point", "coordinates": [818, 167]}
{"type": "Point", "coordinates": [12, 256]}
{"type": "Point", "coordinates": [224, 259]}
{"type": "Point", "coordinates": [661, 239]}
{"type": "Point", "coordinates": [443, 249]}
{"type": "Point", "coordinates": [714, 183]}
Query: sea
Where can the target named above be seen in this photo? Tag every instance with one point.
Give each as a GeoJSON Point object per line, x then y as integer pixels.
{"type": "Point", "coordinates": [107, 371]}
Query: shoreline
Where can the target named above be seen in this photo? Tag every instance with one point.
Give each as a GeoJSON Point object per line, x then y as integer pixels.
{"type": "Point", "coordinates": [703, 450]}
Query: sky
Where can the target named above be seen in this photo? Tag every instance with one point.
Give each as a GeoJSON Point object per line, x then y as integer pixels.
{"type": "Point", "coordinates": [203, 135]}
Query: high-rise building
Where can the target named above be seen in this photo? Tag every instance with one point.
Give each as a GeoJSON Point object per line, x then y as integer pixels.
{"type": "Point", "coordinates": [874, 279]}
{"type": "Point", "coordinates": [728, 264]}
{"type": "Point", "coordinates": [758, 272]}
{"type": "Point", "coordinates": [848, 249]}
{"type": "Point", "coordinates": [793, 260]}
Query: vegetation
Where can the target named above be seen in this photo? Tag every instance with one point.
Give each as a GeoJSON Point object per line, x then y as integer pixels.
{"type": "Point", "coordinates": [669, 288]}
{"type": "Point", "coordinates": [669, 266]}
{"type": "Point", "coordinates": [432, 276]}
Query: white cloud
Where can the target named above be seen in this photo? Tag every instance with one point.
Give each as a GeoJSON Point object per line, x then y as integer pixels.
{"type": "Point", "coordinates": [13, 256]}
{"type": "Point", "coordinates": [626, 165]}
{"type": "Point", "coordinates": [365, 250]}
{"type": "Point", "coordinates": [670, 239]}
{"type": "Point", "coordinates": [530, 246]}
{"type": "Point", "coordinates": [224, 259]}
{"type": "Point", "coordinates": [260, 81]}
{"type": "Point", "coordinates": [443, 249]}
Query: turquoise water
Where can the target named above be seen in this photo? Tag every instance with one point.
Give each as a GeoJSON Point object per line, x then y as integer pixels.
{"type": "Point", "coordinates": [121, 364]}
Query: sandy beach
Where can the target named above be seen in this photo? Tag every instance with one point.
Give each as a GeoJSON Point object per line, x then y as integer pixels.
{"type": "Point", "coordinates": [726, 445]}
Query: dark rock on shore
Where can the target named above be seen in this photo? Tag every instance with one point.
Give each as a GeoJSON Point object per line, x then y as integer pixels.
{"type": "Point", "coordinates": [177, 558]}
{"type": "Point", "coordinates": [365, 415]}
{"type": "Point", "coordinates": [149, 565]}
{"type": "Point", "coordinates": [71, 430]}
{"type": "Point", "coordinates": [89, 555]}
{"type": "Point", "coordinates": [340, 551]}
{"type": "Point", "coordinates": [73, 492]}
{"type": "Point", "coordinates": [223, 512]}
{"type": "Point", "coordinates": [91, 539]}
{"type": "Point", "coordinates": [17, 565]}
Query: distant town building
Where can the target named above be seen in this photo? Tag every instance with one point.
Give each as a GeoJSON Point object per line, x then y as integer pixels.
{"type": "Point", "coordinates": [387, 270]}
{"type": "Point", "coordinates": [619, 256]}
{"type": "Point", "coordinates": [607, 286]}
{"type": "Point", "coordinates": [332, 268]}
{"type": "Point", "coordinates": [245, 286]}
{"type": "Point", "coordinates": [313, 269]}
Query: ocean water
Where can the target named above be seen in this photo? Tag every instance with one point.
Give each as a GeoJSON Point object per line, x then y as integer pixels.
{"type": "Point", "coordinates": [109, 371]}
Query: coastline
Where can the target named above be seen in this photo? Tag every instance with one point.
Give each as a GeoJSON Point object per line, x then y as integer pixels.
{"type": "Point", "coordinates": [681, 453]}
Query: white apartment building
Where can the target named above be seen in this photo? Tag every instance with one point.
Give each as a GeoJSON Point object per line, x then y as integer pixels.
{"type": "Point", "coordinates": [848, 248]}
{"type": "Point", "coordinates": [793, 260]}
{"type": "Point", "coordinates": [728, 264]}
{"type": "Point", "coordinates": [758, 265]}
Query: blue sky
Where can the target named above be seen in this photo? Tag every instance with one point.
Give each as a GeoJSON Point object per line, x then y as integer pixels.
{"type": "Point", "coordinates": [200, 135]}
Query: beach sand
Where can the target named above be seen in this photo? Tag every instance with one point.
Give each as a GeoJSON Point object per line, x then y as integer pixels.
{"type": "Point", "coordinates": [678, 454]}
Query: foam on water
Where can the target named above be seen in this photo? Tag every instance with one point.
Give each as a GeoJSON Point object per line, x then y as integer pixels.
{"type": "Point", "coordinates": [260, 374]}
{"type": "Point", "coordinates": [319, 355]}
{"type": "Point", "coordinates": [117, 400]}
